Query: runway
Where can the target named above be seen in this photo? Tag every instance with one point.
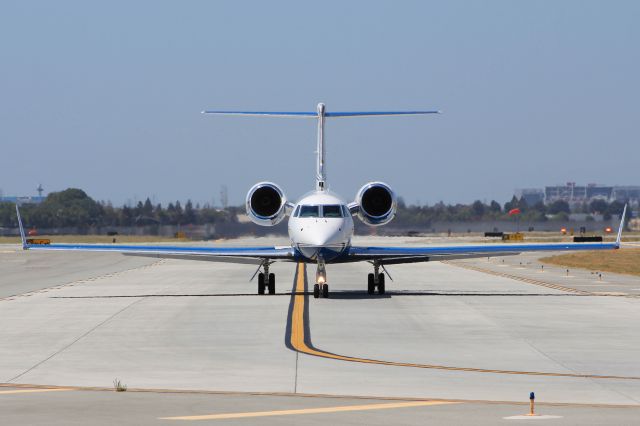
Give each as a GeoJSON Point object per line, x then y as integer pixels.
{"type": "Point", "coordinates": [480, 330]}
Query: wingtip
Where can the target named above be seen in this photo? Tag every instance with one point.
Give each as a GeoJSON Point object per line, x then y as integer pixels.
{"type": "Point", "coordinates": [25, 246]}
{"type": "Point", "coordinates": [619, 237]}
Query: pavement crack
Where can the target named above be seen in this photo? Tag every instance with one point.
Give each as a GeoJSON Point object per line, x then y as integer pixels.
{"type": "Point", "coordinates": [33, 367]}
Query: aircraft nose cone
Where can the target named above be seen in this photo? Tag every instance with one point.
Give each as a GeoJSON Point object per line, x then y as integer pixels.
{"type": "Point", "coordinates": [327, 234]}
{"type": "Point", "coordinates": [322, 238]}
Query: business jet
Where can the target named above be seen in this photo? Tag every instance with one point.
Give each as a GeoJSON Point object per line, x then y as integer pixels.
{"type": "Point", "coordinates": [321, 226]}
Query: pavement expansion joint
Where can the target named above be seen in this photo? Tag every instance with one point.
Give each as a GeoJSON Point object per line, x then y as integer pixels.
{"type": "Point", "coordinates": [82, 281]}
{"type": "Point", "coordinates": [76, 340]}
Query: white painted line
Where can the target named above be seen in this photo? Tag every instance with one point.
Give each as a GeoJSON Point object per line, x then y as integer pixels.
{"type": "Point", "coordinates": [534, 417]}
{"type": "Point", "coordinates": [591, 285]}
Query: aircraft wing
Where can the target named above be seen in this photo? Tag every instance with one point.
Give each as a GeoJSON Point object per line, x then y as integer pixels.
{"type": "Point", "coordinates": [251, 255]}
{"type": "Point", "coordinates": [396, 255]}
{"type": "Point", "coordinates": [254, 255]}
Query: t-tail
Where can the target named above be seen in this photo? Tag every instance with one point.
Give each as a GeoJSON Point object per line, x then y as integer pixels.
{"type": "Point", "coordinates": [321, 114]}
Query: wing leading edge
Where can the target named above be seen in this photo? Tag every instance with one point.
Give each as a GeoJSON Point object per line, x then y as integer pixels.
{"type": "Point", "coordinates": [254, 255]}
{"type": "Point", "coordinates": [391, 255]}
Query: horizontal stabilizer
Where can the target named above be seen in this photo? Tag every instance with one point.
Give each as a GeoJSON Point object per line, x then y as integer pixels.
{"type": "Point", "coordinates": [376, 113]}
{"type": "Point", "coordinates": [307, 114]}
{"type": "Point", "coordinates": [267, 113]}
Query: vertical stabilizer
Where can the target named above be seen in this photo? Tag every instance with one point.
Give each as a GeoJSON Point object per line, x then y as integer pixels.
{"type": "Point", "coordinates": [24, 239]}
{"type": "Point", "coordinates": [321, 175]}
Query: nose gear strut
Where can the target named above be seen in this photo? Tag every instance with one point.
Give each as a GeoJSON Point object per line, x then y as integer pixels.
{"type": "Point", "coordinates": [321, 286]}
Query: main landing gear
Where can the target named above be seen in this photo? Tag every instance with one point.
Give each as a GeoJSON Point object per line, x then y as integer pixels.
{"type": "Point", "coordinates": [321, 287]}
{"type": "Point", "coordinates": [376, 280]}
{"type": "Point", "coordinates": [266, 280]}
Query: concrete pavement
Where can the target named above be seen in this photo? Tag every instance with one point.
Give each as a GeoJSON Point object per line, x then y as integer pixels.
{"type": "Point", "coordinates": [444, 331]}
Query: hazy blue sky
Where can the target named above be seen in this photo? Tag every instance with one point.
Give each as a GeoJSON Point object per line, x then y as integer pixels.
{"type": "Point", "coordinates": [106, 96]}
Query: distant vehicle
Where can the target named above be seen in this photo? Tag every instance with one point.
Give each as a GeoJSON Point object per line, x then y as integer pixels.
{"type": "Point", "coordinates": [321, 225]}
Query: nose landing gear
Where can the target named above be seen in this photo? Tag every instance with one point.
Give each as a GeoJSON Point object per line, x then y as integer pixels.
{"type": "Point", "coordinates": [321, 289]}
{"type": "Point", "coordinates": [321, 286]}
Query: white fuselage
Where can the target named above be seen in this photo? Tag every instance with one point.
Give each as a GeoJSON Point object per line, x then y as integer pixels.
{"type": "Point", "coordinates": [320, 226]}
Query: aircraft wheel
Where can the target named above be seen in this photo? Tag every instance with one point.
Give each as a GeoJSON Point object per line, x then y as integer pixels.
{"type": "Point", "coordinates": [381, 288]}
{"type": "Point", "coordinates": [325, 291]}
{"type": "Point", "coordinates": [316, 291]}
{"type": "Point", "coordinates": [272, 283]}
{"type": "Point", "coordinates": [261, 285]}
{"type": "Point", "coordinates": [371, 287]}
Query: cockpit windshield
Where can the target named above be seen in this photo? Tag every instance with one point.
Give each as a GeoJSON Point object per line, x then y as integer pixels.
{"type": "Point", "coordinates": [331, 211]}
{"type": "Point", "coordinates": [309, 211]}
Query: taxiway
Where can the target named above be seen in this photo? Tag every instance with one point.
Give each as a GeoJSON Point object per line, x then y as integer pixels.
{"type": "Point", "coordinates": [475, 330]}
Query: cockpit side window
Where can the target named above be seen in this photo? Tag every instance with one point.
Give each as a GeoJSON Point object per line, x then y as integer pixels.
{"type": "Point", "coordinates": [346, 211]}
{"type": "Point", "coordinates": [331, 211]}
{"type": "Point", "coordinates": [296, 212]}
{"type": "Point", "coordinates": [309, 211]}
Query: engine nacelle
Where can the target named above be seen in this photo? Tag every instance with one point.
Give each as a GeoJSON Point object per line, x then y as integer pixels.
{"type": "Point", "coordinates": [266, 204]}
{"type": "Point", "coordinates": [377, 203]}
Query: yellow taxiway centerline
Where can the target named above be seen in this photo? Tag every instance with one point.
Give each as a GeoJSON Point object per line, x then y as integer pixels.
{"type": "Point", "coordinates": [338, 409]}
{"type": "Point", "coordinates": [298, 341]}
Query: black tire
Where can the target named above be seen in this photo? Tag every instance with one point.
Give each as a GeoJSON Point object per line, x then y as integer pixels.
{"type": "Point", "coordinates": [261, 283]}
{"type": "Point", "coordinates": [272, 283]}
{"type": "Point", "coordinates": [325, 291]}
{"type": "Point", "coordinates": [316, 291]}
{"type": "Point", "coordinates": [381, 288]}
{"type": "Point", "coordinates": [371, 287]}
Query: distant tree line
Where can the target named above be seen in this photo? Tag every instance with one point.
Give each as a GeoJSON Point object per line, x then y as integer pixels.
{"type": "Point", "coordinates": [479, 211]}
{"type": "Point", "coordinates": [74, 208]}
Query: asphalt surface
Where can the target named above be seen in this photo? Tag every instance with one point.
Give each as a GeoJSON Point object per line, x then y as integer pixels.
{"type": "Point", "coordinates": [481, 333]}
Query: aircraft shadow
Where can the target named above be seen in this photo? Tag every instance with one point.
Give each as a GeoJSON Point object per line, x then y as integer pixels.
{"type": "Point", "coordinates": [340, 295]}
{"type": "Point", "coordinates": [389, 294]}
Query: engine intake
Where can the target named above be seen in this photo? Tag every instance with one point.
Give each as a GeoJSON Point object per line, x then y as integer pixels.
{"type": "Point", "coordinates": [266, 204]}
{"type": "Point", "coordinates": [377, 203]}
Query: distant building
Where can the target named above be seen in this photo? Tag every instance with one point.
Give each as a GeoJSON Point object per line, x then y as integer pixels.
{"type": "Point", "coordinates": [599, 191]}
{"type": "Point", "coordinates": [27, 199]}
{"type": "Point", "coordinates": [531, 196]}
{"type": "Point", "coordinates": [573, 194]}
{"type": "Point", "coordinates": [623, 193]}
{"type": "Point", "coordinates": [570, 193]}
